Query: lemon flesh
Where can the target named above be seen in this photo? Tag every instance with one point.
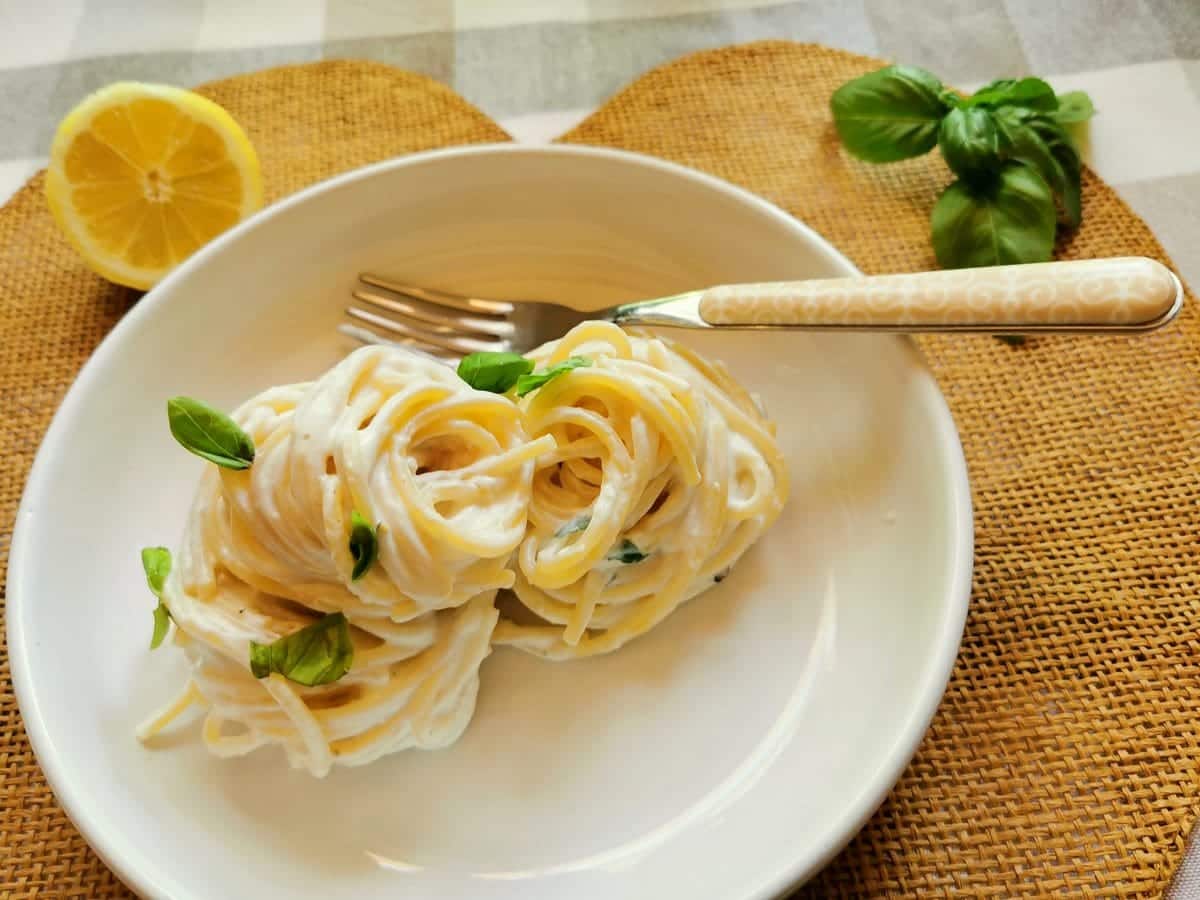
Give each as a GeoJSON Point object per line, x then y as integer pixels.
{"type": "Point", "coordinates": [142, 175]}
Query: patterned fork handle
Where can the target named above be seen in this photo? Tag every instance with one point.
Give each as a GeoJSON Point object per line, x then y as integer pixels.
{"type": "Point", "coordinates": [1119, 294]}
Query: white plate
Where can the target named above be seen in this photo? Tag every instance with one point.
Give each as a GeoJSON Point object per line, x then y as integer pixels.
{"type": "Point", "coordinates": [728, 754]}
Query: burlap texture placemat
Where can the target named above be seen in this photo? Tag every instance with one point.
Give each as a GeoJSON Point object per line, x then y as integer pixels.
{"type": "Point", "coordinates": [1064, 756]}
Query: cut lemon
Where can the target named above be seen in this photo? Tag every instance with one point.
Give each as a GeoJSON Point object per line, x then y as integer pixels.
{"type": "Point", "coordinates": [141, 175]}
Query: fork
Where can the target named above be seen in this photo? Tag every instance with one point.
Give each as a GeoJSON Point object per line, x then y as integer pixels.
{"type": "Point", "coordinates": [1119, 295]}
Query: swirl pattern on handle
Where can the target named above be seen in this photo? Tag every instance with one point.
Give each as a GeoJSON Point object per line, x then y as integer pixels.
{"type": "Point", "coordinates": [1126, 291]}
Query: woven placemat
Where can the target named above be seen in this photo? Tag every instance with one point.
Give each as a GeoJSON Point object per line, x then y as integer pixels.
{"type": "Point", "coordinates": [1064, 755]}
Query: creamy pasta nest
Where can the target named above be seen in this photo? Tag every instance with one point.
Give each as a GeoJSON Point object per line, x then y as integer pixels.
{"type": "Point", "coordinates": [596, 504]}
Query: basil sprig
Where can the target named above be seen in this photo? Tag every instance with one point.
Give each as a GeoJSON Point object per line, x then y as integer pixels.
{"type": "Point", "coordinates": [1017, 166]}
{"type": "Point", "coordinates": [626, 552]}
{"type": "Point", "coordinates": [494, 372]}
{"type": "Point", "coordinates": [528, 383]}
{"type": "Point", "coordinates": [364, 544]}
{"type": "Point", "coordinates": [321, 653]}
{"type": "Point", "coordinates": [209, 433]}
{"type": "Point", "coordinates": [156, 562]}
{"type": "Point", "coordinates": [501, 372]}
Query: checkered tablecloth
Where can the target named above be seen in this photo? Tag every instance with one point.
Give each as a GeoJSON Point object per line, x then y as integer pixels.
{"type": "Point", "coordinates": [539, 66]}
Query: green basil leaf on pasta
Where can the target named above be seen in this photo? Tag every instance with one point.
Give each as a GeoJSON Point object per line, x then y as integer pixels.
{"type": "Point", "coordinates": [889, 114]}
{"type": "Point", "coordinates": [576, 525]}
{"type": "Point", "coordinates": [156, 563]}
{"type": "Point", "coordinates": [364, 544]}
{"type": "Point", "coordinates": [493, 372]}
{"type": "Point", "coordinates": [529, 383]}
{"type": "Point", "coordinates": [162, 621]}
{"type": "Point", "coordinates": [209, 433]}
{"type": "Point", "coordinates": [626, 552]}
{"type": "Point", "coordinates": [1074, 106]}
{"type": "Point", "coordinates": [321, 653]}
{"type": "Point", "coordinates": [1010, 221]}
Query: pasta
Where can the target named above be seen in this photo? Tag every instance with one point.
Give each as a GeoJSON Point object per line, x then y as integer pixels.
{"type": "Point", "coordinates": [626, 477]}
{"type": "Point", "coordinates": [444, 469]}
{"type": "Point", "coordinates": [664, 472]}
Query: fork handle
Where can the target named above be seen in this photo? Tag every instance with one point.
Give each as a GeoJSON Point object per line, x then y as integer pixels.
{"type": "Point", "coordinates": [1118, 294]}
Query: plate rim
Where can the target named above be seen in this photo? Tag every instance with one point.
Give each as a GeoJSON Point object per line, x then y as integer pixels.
{"type": "Point", "coordinates": [123, 858]}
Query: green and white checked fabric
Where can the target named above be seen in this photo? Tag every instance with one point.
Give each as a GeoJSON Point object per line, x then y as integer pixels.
{"type": "Point", "coordinates": [539, 66]}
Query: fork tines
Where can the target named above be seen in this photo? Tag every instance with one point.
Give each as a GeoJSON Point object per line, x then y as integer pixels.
{"type": "Point", "coordinates": [436, 322]}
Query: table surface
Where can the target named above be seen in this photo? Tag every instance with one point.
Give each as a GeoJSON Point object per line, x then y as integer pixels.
{"type": "Point", "coordinates": [539, 66]}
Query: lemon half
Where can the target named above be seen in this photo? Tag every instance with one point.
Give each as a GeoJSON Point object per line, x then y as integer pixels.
{"type": "Point", "coordinates": [141, 175]}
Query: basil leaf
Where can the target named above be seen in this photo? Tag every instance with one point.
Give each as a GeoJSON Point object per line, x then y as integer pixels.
{"type": "Point", "coordinates": [1009, 221]}
{"type": "Point", "coordinates": [156, 563]}
{"type": "Point", "coordinates": [579, 523]}
{"type": "Point", "coordinates": [626, 552]}
{"type": "Point", "coordinates": [1056, 137]}
{"type": "Point", "coordinates": [364, 545]}
{"type": "Point", "coordinates": [1032, 93]}
{"type": "Point", "coordinates": [1072, 200]}
{"type": "Point", "coordinates": [1044, 145]}
{"type": "Point", "coordinates": [990, 90]}
{"type": "Point", "coordinates": [494, 372]}
{"type": "Point", "coordinates": [162, 621]}
{"type": "Point", "coordinates": [318, 654]}
{"type": "Point", "coordinates": [890, 114]}
{"type": "Point", "coordinates": [1074, 106]}
{"type": "Point", "coordinates": [970, 143]}
{"type": "Point", "coordinates": [209, 433]}
{"type": "Point", "coordinates": [528, 383]}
